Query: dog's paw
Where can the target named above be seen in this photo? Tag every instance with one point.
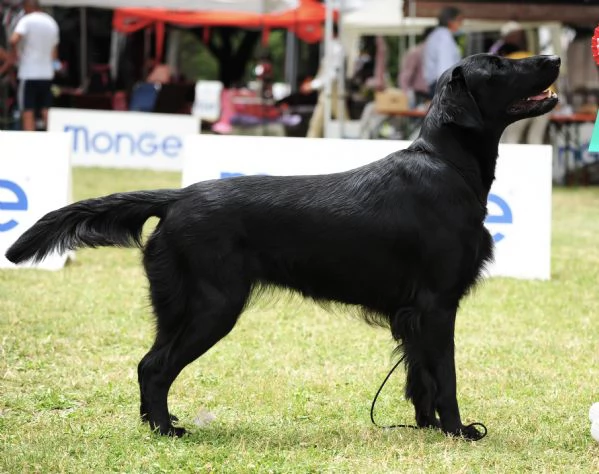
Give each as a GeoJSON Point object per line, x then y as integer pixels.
{"type": "Point", "coordinates": [170, 430]}
{"type": "Point", "coordinates": [430, 423]}
{"type": "Point", "coordinates": [434, 423]}
{"type": "Point", "coordinates": [175, 432]}
{"type": "Point", "coordinates": [470, 432]}
{"type": "Point", "coordinates": [145, 418]}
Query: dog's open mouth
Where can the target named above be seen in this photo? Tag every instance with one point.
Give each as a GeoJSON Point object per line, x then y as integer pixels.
{"type": "Point", "coordinates": [543, 101]}
{"type": "Point", "coordinates": [547, 94]}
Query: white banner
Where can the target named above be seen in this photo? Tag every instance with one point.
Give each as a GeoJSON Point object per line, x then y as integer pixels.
{"type": "Point", "coordinates": [124, 139]}
{"type": "Point", "coordinates": [519, 212]}
{"type": "Point", "coordinates": [519, 204]}
{"type": "Point", "coordinates": [35, 178]}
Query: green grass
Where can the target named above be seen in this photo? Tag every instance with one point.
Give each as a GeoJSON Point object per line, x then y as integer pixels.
{"type": "Point", "coordinates": [291, 386]}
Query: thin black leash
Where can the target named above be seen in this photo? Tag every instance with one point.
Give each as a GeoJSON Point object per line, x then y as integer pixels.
{"type": "Point", "coordinates": [390, 427]}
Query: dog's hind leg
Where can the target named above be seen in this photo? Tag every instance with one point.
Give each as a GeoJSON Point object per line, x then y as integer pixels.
{"type": "Point", "coordinates": [192, 315]}
{"type": "Point", "coordinates": [421, 387]}
{"type": "Point", "coordinates": [211, 316]}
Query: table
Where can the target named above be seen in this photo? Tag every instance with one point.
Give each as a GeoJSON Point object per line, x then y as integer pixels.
{"type": "Point", "coordinates": [407, 122]}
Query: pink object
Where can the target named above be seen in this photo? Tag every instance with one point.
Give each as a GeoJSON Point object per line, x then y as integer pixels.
{"type": "Point", "coordinates": [380, 63]}
{"type": "Point", "coordinates": [227, 111]}
{"type": "Point", "coordinates": [411, 76]}
{"type": "Point", "coordinates": [119, 101]}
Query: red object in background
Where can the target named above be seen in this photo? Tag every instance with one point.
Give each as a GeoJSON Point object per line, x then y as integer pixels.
{"type": "Point", "coordinates": [305, 21]}
{"type": "Point", "coordinates": [310, 33]}
{"type": "Point", "coordinates": [247, 102]}
{"type": "Point", "coordinates": [595, 46]}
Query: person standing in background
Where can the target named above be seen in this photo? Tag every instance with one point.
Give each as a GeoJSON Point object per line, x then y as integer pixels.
{"type": "Point", "coordinates": [5, 61]}
{"type": "Point", "coordinates": [12, 11]}
{"type": "Point", "coordinates": [441, 50]}
{"type": "Point", "coordinates": [330, 65]}
{"type": "Point", "coordinates": [35, 45]}
{"type": "Point", "coordinates": [411, 75]}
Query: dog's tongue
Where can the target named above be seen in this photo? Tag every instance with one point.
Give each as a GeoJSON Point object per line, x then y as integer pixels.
{"type": "Point", "coordinates": [542, 96]}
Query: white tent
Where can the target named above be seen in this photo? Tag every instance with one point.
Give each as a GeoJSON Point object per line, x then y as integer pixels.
{"type": "Point", "coordinates": [378, 17]}
{"type": "Point", "coordinates": [258, 6]}
{"type": "Point", "coordinates": [386, 18]}
{"type": "Point", "coordinates": [382, 17]}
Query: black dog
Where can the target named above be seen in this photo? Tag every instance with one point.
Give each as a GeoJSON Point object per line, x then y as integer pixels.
{"type": "Point", "coordinates": [402, 238]}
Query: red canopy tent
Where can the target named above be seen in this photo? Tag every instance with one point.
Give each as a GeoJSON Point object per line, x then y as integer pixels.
{"type": "Point", "coordinates": [305, 21]}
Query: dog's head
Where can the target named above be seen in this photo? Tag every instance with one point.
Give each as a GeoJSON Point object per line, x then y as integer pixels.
{"type": "Point", "coordinates": [486, 91]}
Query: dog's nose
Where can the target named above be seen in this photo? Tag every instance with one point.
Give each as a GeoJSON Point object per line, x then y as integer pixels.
{"type": "Point", "coordinates": [552, 59]}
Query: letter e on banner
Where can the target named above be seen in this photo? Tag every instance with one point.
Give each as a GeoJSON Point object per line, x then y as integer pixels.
{"type": "Point", "coordinates": [19, 203]}
{"type": "Point", "coordinates": [503, 217]}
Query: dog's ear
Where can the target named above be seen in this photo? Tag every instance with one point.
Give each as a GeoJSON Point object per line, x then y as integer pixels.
{"type": "Point", "coordinates": [457, 105]}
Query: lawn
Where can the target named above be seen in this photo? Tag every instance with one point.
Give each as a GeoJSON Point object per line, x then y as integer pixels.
{"type": "Point", "coordinates": [291, 386]}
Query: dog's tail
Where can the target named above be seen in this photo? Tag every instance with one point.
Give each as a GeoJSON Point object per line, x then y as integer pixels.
{"type": "Point", "coordinates": [114, 220]}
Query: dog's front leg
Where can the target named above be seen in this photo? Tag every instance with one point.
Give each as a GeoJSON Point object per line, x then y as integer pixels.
{"type": "Point", "coordinates": [438, 332]}
{"type": "Point", "coordinates": [428, 345]}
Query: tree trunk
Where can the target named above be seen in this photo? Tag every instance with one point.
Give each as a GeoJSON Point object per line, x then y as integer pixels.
{"type": "Point", "coordinates": [233, 48]}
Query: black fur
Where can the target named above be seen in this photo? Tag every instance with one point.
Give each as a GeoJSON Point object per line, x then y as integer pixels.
{"type": "Point", "coordinates": [93, 223]}
{"type": "Point", "coordinates": [401, 238]}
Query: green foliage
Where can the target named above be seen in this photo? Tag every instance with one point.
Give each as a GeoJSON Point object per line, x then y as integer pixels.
{"type": "Point", "coordinates": [276, 45]}
{"type": "Point", "coordinates": [197, 62]}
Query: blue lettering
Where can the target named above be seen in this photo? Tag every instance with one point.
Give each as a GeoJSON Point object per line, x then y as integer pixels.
{"type": "Point", "coordinates": [504, 217]}
{"type": "Point", "coordinates": [76, 131]}
{"type": "Point", "coordinates": [123, 143]}
{"type": "Point", "coordinates": [119, 139]}
{"type": "Point", "coordinates": [171, 146]}
{"type": "Point", "coordinates": [147, 144]}
{"type": "Point", "coordinates": [21, 204]}
{"type": "Point", "coordinates": [97, 140]}
{"type": "Point", "coordinates": [226, 174]}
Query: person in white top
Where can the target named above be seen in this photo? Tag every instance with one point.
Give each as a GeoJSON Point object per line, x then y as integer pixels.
{"type": "Point", "coordinates": [330, 65]}
{"type": "Point", "coordinates": [35, 43]}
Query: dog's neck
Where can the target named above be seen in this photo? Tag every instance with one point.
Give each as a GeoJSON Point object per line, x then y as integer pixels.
{"type": "Point", "coordinates": [472, 153]}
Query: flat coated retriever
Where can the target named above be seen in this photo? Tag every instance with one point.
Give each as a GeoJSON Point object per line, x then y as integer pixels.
{"type": "Point", "coordinates": [402, 239]}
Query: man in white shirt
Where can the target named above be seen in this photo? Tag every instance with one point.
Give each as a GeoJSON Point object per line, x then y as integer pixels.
{"type": "Point", "coordinates": [35, 42]}
{"type": "Point", "coordinates": [441, 50]}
